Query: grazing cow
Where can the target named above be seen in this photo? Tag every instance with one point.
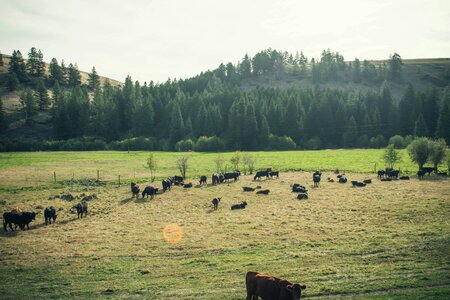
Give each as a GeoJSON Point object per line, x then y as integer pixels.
{"type": "Point", "coordinates": [260, 174]}
{"type": "Point", "coordinates": [134, 190]}
{"type": "Point", "coordinates": [404, 178]}
{"type": "Point", "coordinates": [202, 180]}
{"type": "Point", "coordinates": [270, 287]}
{"type": "Point", "coordinates": [49, 214]}
{"type": "Point", "coordinates": [82, 208]}
{"type": "Point", "coordinates": [316, 180]}
{"type": "Point", "coordinates": [343, 179]}
{"type": "Point", "coordinates": [149, 191]}
{"type": "Point", "coordinates": [178, 180]}
{"type": "Point", "coordinates": [187, 185]}
{"type": "Point", "coordinates": [393, 173]}
{"type": "Point", "coordinates": [428, 170]}
{"type": "Point", "coordinates": [248, 189]}
{"type": "Point", "coordinates": [302, 196]}
{"type": "Point", "coordinates": [166, 184]}
{"type": "Point", "coordinates": [21, 219]}
{"type": "Point", "coordinates": [420, 174]}
{"type": "Point", "coordinates": [263, 192]}
{"type": "Point", "coordinates": [233, 175]}
{"type": "Point", "coordinates": [367, 181]}
{"type": "Point", "coordinates": [381, 174]}
{"type": "Point", "coordinates": [216, 202]}
{"type": "Point", "coordinates": [274, 173]}
{"type": "Point", "coordinates": [239, 206]}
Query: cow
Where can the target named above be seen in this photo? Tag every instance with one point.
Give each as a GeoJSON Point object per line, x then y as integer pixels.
{"type": "Point", "coordinates": [269, 287]}
{"type": "Point", "coordinates": [233, 175]}
{"type": "Point", "coordinates": [248, 189]}
{"type": "Point", "coordinates": [239, 206]}
{"type": "Point", "coordinates": [428, 170]}
{"type": "Point", "coordinates": [21, 219]}
{"type": "Point", "coordinates": [178, 180]}
{"type": "Point", "coordinates": [316, 180]}
{"type": "Point", "coordinates": [367, 181]}
{"type": "Point", "coordinates": [217, 178]}
{"type": "Point", "coordinates": [82, 208]}
{"type": "Point", "coordinates": [202, 180]}
{"type": "Point", "coordinates": [187, 185]}
{"type": "Point", "coordinates": [393, 173]}
{"type": "Point", "coordinates": [404, 178]}
{"type": "Point", "coordinates": [343, 179]}
{"type": "Point", "coordinates": [260, 174]}
{"type": "Point", "coordinates": [166, 184]}
{"type": "Point", "coordinates": [149, 191]}
{"type": "Point", "coordinates": [360, 184]}
{"type": "Point", "coordinates": [420, 174]}
{"type": "Point", "coordinates": [49, 214]}
{"type": "Point", "coordinates": [134, 190]}
{"type": "Point", "coordinates": [216, 202]}
{"type": "Point", "coordinates": [274, 173]}
{"type": "Point", "coordinates": [302, 196]}
{"type": "Point", "coordinates": [263, 192]}
{"type": "Point", "coordinates": [297, 188]}
{"type": "Point", "coordinates": [381, 174]}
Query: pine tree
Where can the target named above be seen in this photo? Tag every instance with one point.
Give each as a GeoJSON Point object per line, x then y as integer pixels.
{"type": "Point", "coordinates": [94, 80]}
{"type": "Point", "coordinates": [263, 133]}
{"type": "Point", "coordinates": [420, 128]}
{"type": "Point", "coordinates": [431, 110]}
{"type": "Point", "coordinates": [42, 95]}
{"type": "Point", "coordinates": [56, 74]}
{"type": "Point", "coordinates": [443, 123]}
{"type": "Point", "coordinates": [245, 68]}
{"type": "Point", "coordinates": [395, 67]}
{"type": "Point", "coordinates": [13, 82]}
{"type": "Point", "coordinates": [17, 66]}
{"type": "Point", "coordinates": [41, 65]}
{"type": "Point", "coordinates": [356, 75]}
{"type": "Point", "coordinates": [74, 75]}
{"type": "Point", "coordinates": [176, 129]}
{"type": "Point", "coordinates": [64, 73]}
{"type": "Point", "coordinates": [29, 106]}
{"type": "Point", "coordinates": [2, 117]}
{"type": "Point", "coordinates": [33, 62]}
{"type": "Point", "coordinates": [56, 93]}
{"type": "Point", "coordinates": [1, 59]}
{"type": "Point", "coordinates": [407, 115]}
{"type": "Point", "coordinates": [351, 133]}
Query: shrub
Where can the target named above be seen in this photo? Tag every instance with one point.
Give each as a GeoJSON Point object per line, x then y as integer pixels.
{"type": "Point", "coordinates": [281, 143]}
{"type": "Point", "coordinates": [314, 143]}
{"type": "Point", "coordinates": [184, 145]}
{"type": "Point", "coordinates": [398, 142]}
{"type": "Point", "coordinates": [209, 144]}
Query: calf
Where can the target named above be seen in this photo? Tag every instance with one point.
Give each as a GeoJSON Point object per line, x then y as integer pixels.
{"type": "Point", "coordinates": [216, 202]}
{"type": "Point", "coordinates": [343, 179]}
{"type": "Point", "coordinates": [149, 191]}
{"type": "Point", "coordinates": [367, 181]}
{"type": "Point", "coordinates": [263, 192]}
{"type": "Point", "coordinates": [134, 190]}
{"type": "Point", "coordinates": [248, 189]}
{"type": "Point", "coordinates": [302, 196]}
{"type": "Point", "coordinates": [269, 287]}
{"type": "Point", "coordinates": [202, 180]}
{"type": "Point", "coordinates": [82, 208]}
{"type": "Point", "coordinates": [239, 206]}
{"type": "Point", "coordinates": [49, 214]}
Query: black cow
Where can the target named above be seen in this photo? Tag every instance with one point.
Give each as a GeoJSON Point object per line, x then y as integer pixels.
{"type": "Point", "coordinates": [82, 208]}
{"type": "Point", "coordinates": [49, 214]}
{"type": "Point", "coordinates": [404, 178]}
{"type": "Point", "coordinates": [202, 180]}
{"type": "Point", "coordinates": [297, 188]}
{"type": "Point", "coordinates": [166, 184]}
{"type": "Point", "coordinates": [316, 180]}
{"type": "Point", "coordinates": [187, 185]}
{"type": "Point", "coordinates": [260, 174]}
{"type": "Point", "coordinates": [428, 170]}
{"type": "Point", "coordinates": [149, 191]}
{"type": "Point", "coordinates": [393, 173]}
{"type": "Point", "coordinates": [263, 192]}
{"type": "Point", "coordinates": [420, 174]}
{"type": "Point", "coordinates": [233, 175]}
{"type": "Point", "coordinates": [367, 181]}
{"type": "Point", "coordinates": [21, 219]}
{"type": "Point", "coordinates": [217, 178]}
{"type": "Point", "coordinates": [274, 173]}
{"type": "Point", "coordinates": [239, 206]}
{"type": "Point", "coordinates": [215, 202]}
{"type": "Point", "coordinates": [302, 196]}
{"type": "Point", "coordinates": [248, 189]}
{"type": "Point", "coordinates": [267, 287]}
{"type": "Point", "coordinates": [360, 184]}
{"type": "Point", "coordinates": [381, 174]}
{"type": "Point", "coordinates": [134, 190]}
{"type": "Point", "coordinates": [178, 179]}
{"type": "Point", "coordinates": [343, 179]}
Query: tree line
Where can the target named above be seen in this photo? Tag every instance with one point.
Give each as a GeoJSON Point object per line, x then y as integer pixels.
{"type": "Point", "coordinates": [213, 112]}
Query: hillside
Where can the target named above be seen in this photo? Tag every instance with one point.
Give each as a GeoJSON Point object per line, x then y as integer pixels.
{"type": "Point", "coordinates": [269, 101]}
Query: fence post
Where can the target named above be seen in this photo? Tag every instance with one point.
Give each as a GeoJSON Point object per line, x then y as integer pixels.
{"type": "Point", "coordinates": [54, 177]}
{"type": "Point", "coordinates": [375, 168]}
{"type": "Point", "coordinates": [98, 175]}
{"type": "Point", "coordinates": [119, 180]}
{"type": "Point", "coordinates": [71, 185]}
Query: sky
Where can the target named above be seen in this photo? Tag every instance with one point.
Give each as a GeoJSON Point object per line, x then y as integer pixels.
{"type": "Point", "coordinates": [153, 40]}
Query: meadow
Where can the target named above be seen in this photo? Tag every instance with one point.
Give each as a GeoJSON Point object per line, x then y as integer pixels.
{"type": "Point", "coordinates": [389, 240]}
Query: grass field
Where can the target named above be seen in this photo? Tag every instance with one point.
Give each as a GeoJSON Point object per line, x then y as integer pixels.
{"type": "Point", "coordinates": [389, 240]}
{"type": "Point", "coordinates": [31, 169]}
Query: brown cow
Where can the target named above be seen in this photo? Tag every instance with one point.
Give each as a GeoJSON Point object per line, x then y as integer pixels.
{"type": "Point", "coordinates": [263, 192]}
{"type": "Point", "coordinates": [269, 287]}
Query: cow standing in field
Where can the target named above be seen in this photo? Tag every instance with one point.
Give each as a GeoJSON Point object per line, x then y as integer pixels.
{"type": "Point", "coordinates": [166, 184]}
{"type": "Point", "coordinates": [216, 202]}
{"type": "Point", "coordinates": [82, 208]}
{"type": "Point", "coordinates": [269, 287]}
{"type": "Point", "coordinates": [49, 215]}
{"type": "Point", "coordinates": [381, 174]}
{"type": "Point", "coordinates": [233, 175]}
{"type": "Point", "coordinates": [274, 173]}
{"type": "Point", "coordinates": [260, 174]}
{"type": "Point", "coordinates": [20, 219]}
{"type": "Point", "coordinates": [202, 180]}
{"type": "Point", "coordinates": [134, 190]}
{"type": "Point", "coordinates": [316, 178]}
{"type": "Point", "coordinates": [149, 191]}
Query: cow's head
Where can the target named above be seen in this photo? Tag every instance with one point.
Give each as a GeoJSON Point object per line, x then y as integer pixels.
{"type": "Point", "coordinates": [295, 290]}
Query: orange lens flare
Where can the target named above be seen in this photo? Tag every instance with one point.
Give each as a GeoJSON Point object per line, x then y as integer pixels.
{"type": "Point", "coordinates": [172, 233]}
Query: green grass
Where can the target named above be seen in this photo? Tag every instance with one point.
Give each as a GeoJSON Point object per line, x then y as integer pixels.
{"type": "Point", "coordinates": [31, 169]}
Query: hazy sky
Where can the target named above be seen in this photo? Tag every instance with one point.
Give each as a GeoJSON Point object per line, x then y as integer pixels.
{"type": "Point", "coordinates": [158, 39]}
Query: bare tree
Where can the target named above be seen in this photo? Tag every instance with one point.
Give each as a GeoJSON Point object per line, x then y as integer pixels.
{"type": "Point", "coordinates": [151, 165]}
{"type": "Point", "coordinates": [235, 160]}
{"type": "Point", "coordinates": [219, 160]}
{"type": "Point", "coordinates": [182, 164]}
{"type": "Point", "coordinates": [249, 162]}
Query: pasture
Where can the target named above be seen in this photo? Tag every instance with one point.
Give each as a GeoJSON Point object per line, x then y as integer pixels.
{"type": "Point", "coordinates": [388, 240]}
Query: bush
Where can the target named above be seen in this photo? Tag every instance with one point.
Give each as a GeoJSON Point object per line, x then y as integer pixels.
{"type": "Point", "coordinates": [209, 144]}
{"type": "Point", "coordinates": [363, 141]}
{"type": "Point", "coordinates": [398, 142]}
{"type": "Point", "coordinates": [281, 143]}
{"type": "Point", "coordinates": [377, 142]}
{"type": "Point", "coordinates": [184, 145]}
{"type": "Point", "coordinates": [137, 143]}
{"type": "Point", "coordinates": [314, 143]}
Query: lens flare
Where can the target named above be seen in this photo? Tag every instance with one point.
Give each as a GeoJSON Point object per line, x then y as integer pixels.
{"type": "Point", "coordinates": [172, 233]}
